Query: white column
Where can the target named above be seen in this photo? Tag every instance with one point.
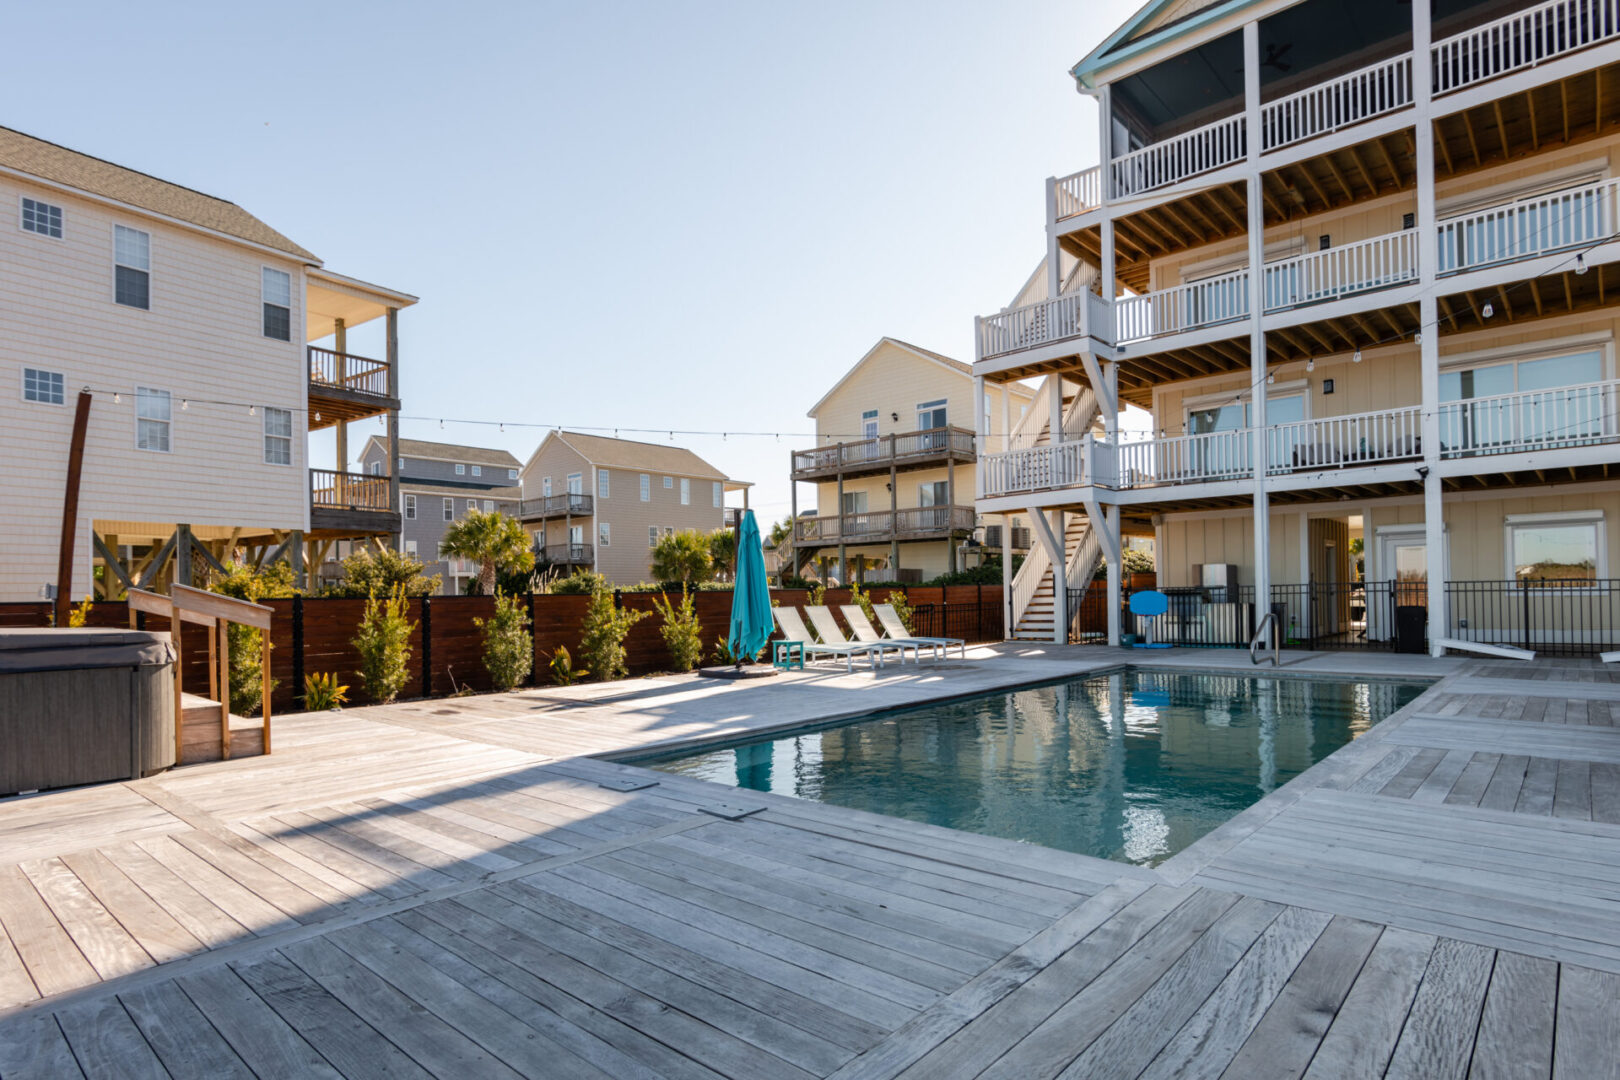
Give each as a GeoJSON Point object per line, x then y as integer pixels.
{"type": "Point", "coordinates": [1054, 264]}
{"type": "Point", "coordinates": [1006, 577]}
{"type": "Point", "coordinates": [1115, 572]}
{"type": "Point", "coordinates": [1257, 333]}
{"type": "Point", "coordinates": [1111, 414]}
{"type": "Point", "coordinates": [1006, 418]}
{"type": "Point", "coordinates": [1434, 534]}
{"type": "Point", "coordinates": [1060, 583]}
{"type": "Point", "coordinates": [979, 433]}
{"type": "Point", "coordinates": [1055, 405]}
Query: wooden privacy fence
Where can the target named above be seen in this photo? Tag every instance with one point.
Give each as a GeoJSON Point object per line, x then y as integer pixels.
{"type": "Point", "coordinates": [310, 635]}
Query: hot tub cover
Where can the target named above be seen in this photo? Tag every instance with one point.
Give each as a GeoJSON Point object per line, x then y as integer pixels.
{"type": "Point", "coordinates": [32, 649]}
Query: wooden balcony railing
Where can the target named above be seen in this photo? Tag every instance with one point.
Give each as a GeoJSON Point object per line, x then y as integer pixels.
{"type": "Point", "coordinates": [569, 554]}
{"type": "Point", "coordinates": [566, 504]}
{"type": "Point", "coordinates": [880, 526]}
{"type": "Point", "coordinates": [345, 371]}
{"type": "Point", "coordinates": [908, 449]}
{"type": "Point", "coordinates": [330, 490]}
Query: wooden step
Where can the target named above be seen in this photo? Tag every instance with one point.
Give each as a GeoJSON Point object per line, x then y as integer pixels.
{"type": "Point", "coordinates": [200, 736]}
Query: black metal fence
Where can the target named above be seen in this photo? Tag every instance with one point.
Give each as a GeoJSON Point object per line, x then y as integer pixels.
{"type": "Point", "coordinates": [969, 621]}
{"type": "Point", "coordinates": [1560, 618]}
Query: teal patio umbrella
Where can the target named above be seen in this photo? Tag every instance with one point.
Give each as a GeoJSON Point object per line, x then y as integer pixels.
{"type": "Point", "coordinates": [751, 621]}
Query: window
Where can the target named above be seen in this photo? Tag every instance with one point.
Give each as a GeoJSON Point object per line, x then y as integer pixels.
{"type": "Point", "coordinates": [152, 413]}
{"type": "Point", "coordinates": [478, 470]}
{"type": "Point", "coordinates": [472, 504]}
{"type": "Point", "coordinates": [854, 502]}
{"type": "Point", "coordinates": [399, 463]}
{"type": "Point", "coordinates": [652, 536]}
{"type": "Point", "coordinates": [646, 487]}
{"type": "Point", "coordinates": [489, 506]}
{"type": "Point", "coordinates": [44, 387]}
{"type": "Point", "coordinates": [278, 431]}
{"type": "Point", "coordinates": [669, 530]}
{"type": "Point", "coordinates": [1556, 550]}
{"type": "Point", "coordinates": [545, 486]}
{"type": "Point", "coordinates": [410, 547]}
{"type": "Point", "coordinates": [601, 483]}
{"type": "Point", "coordinates": [669, 482]}
{"type": "Point", "coordinates": [869, 424]}
{"type": "Point", "coordinates": [932, 494]}
{"type": "Point", "coordinates": [42, 218]}
{"type": "Point", "coordinates": [461, 470]}
{"type": "Point", "coordinates": [604, 534]}
{"type": "Point", "coordinates": [376, 468]}
{"type": "Point", "coordinates": [576, 483]}
{"type": "Point", "coordinates": [719, 495]}
{"type": "Point", "coordinates": [410, 507]}
{"type": "Point", "coordinates": [511, 474]}
{"type": "Point", "coordinates": [132, 269]}
{"type": "Point", "coordinates": [1536, 415]}
{"type": "Point", "coordinates": [686, 492]}
{"type": "Point", "coordinates": [930, 415]}
{"type": "Point", "coordinates": [276, 292]}
{"type": "Point", "coordinates": [449, 509]}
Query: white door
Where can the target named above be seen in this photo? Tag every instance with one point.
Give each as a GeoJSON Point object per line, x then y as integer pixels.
{"type": "Point", "coordinates": [1399, 579]}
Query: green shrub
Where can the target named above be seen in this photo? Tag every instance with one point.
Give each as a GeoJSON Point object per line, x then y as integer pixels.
{"type": "Point", "coordinates": [247, 659]}
{"type": "Point", "coordinates": [562, 669]}
{"type": "Point", "coordinates": [322, 692]}
{"type": "Point", "coordinates": [606, 627]}
{"type": "Point", "coordinates": [508, 645]}
{"type": "Point", "coordinates": [863, 598]}
{"type": "Point", "coordinates": [580, 583]}
{"type": "Point", "coordinates": [902, 608]}
{"type": "Point", "coordinates": [683, 557]}
{"type": "Point", "coordinates": [988, 574]}
{"type": "Point", "coordinates": [383, 644]}
{"type": "Point", "coordinates": [681, 631]}
{"type": "Point", "coordinates": [378, 573]}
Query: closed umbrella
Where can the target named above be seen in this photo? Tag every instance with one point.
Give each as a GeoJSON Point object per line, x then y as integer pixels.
{"type": "Point", "coordinates": [751, 620]}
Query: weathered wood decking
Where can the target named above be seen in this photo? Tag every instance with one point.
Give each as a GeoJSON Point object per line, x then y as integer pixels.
{"type": "Point", "coordinates": [449, 889]}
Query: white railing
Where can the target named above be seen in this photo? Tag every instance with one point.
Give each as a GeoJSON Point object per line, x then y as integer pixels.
{"type": "Point", "coordinates": [1033, 325]}
{"type": "Point", "coordinates": [1530, 420]}
{"type": "Point", "coordinates": [1035, 468]}
{"type": "Point", "coordinates": [1027, 431]}
{"type": "Point", "coordinates": [1522, 40]}
{"type": "Point", "coordinates": [1358, 439]}
{"type": "Point", "coordinates": [1183, 307]}
{"type": "Point", "coordinates": [1326, 275]}
{"type": "Point", "coordinates": [1078, 192]}
{"type": "Point", "coordinates": [1373, 90]}
{"type": "Point", "coordinates": [1576, 217]}
{"type": "Point", "coordinates": [1080, 415]}
{"type": "Point", "coordinates": [1184, 459]}
{"type": "Point", "coordinates": [1028, 578]}
{"type": "Point", "coordinates": [1175, 159]}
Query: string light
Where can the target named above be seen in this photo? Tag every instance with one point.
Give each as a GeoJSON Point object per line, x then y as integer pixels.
{"type": "Point", "coordinates": [1356, 359]}
{"type": "Point", "coordinates": [1580, 262]}
{"type": "Point", "coordinates": [253, 410]}
{"type": "Point", "coordinates": [1310, 364]}
{"type": "Point", "coordinates": [1487, 310]}
{"type": "Point", "coordinates": [184, 404]}
{"type": "Point", "coordinates": [117, 398]}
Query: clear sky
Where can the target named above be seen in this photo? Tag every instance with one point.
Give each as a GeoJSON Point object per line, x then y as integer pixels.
{"type": "Point", "coordinates": [693, 215]}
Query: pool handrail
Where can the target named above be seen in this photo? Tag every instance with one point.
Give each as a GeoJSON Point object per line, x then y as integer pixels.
{"type": "Point", "coordinates": [1259, 636]}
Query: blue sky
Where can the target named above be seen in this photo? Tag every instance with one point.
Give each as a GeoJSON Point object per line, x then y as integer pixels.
{"type": "Point", "coordinates": [692, 215]}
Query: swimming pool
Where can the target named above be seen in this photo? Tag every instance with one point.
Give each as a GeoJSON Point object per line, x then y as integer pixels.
{"type": "Point", "coordinates": [1134, 765]}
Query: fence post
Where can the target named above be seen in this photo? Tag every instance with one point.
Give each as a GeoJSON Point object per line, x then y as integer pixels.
{"type": "Point", "coordinates": [298, 647]}
{"type": "Point", "coordinates": [427, 646]}
{"type": "Point", "coordinates": [618, 599]}
{"type": "Point", "coordinates": [1524, 591]}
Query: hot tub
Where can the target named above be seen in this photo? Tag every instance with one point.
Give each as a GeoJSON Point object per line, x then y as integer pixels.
{"type": "Point", "coordinates": [78, 706]}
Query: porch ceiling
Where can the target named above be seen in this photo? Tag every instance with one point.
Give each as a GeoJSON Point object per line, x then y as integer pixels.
{"type": "Point", "coordinates": [1559, 114]}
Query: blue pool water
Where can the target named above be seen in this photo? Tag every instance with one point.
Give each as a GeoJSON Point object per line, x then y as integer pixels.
{"type": "Point", "coordinates": [1132, 766]}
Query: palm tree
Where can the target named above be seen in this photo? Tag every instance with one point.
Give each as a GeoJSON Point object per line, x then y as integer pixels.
{"type": "Point", "coordinates": [683, 557]}
{"type": "Point", "coordinates": [493, 541]}
{"type": "Point", "coordinates": [723, 552]}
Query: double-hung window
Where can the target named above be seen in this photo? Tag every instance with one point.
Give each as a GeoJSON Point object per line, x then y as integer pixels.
{"type": "Point", "coordinates": [449, 509]}
{"type": "Point", "coordinates": [719, 495]}
{"type": "Point", "coordinates": [601, 483]}
{"type": "Point", "coordinates": [42, 218]}
{"type": "Point", "coordinates": [478, 470]}
{"type": "Point", "coordinates": [652, 536]}
{"type": "Point", "coordinates": [45, 387]}
{"type": "Point", "coordinates": [489, 506]}
{"type": "Point", "coordinates": [646, 487]}
{"type": "Point", "coordinates": [376, 468]}
{"type": "Point", "coordinates": [152, 419]}
{"type": "Point", "coordinates": [604, 534]}
{"type": "Point", "coordinates": [132, 267]}
{"type": "Point", "coordinates": [461, 470]}
{"type": "Point", "coordinates": [410, 507]}
{"type": "Point", "coordinates": [276, 293]}
{"type": "Point", "coordinates": [686, 492]}
{"type": "Point", "coordinates": [511, 474]}
{"type": "Point", "coordinates": [278, 429]}
{"type": "Point", "coordinates": [669, 482]}
{"type": "Point", "coordinates": [472, 504]}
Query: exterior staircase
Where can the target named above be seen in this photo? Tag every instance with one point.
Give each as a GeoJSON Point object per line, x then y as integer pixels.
{"type": "Point", "coordinates": [1034, 622]}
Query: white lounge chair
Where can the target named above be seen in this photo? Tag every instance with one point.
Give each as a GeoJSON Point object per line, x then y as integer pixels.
{"type": "Point", "coordinates": [863, 630]}
{"type": "Point", "coordinates": [828, 630]}
{"type": "Point", "coordinates": [889, 619]}
{"type": "Point", "coordinates": [793, 629]}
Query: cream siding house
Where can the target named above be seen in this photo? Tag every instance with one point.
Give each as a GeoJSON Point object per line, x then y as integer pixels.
{"type": "Point", "coordinates": [1368, 294]}
{"type": "Point", "coordinates": [182, 317]}
{"type": "Point", "coordinates": [600, 503]}
{"type": "Point", "coordinates": [892, 468]}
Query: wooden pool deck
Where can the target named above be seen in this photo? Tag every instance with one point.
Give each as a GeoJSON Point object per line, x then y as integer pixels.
{"type": "Point", "coordinates": [462, 888]}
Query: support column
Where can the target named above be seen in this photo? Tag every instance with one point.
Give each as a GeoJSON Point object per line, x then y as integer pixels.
{"type": "Point", "coordinates": [182, 554]}
{"type": "Point", "coordinates": [1116, 571]}
{"type": "Point", "coordinates": [295, 556]}
{"type": "Point", "coordinates": [950, 514]}
{"type": "Point", "coordinates": [1258, 374]}
{"type": "Point", "coordinates": [1006, 581]}
{"type": "Point", "coordinates": [1006, 419]}
{"type": "Point", "coordinates": [1434, 525]}
{"type": "Point", "coordinates": [1060, 582]}
{"type": "Point", "coordinates": [980, 433]}
{"type": "Point", "coordinates": [843, 565]}
{"type": "Point", "coordinates": [793, 515]}
{"type": "Point", "coordinates": [894, 513]}
{"type": "Point", "coordinates": [340, 332]}
{"type": "Point", "coordinates": [1054, 384]}
{"type": "Point", "coordinates": [393, 426]}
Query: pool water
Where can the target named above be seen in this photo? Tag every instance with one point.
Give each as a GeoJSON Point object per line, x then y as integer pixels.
{"type": "Point", "coordinates": [1133, 766]}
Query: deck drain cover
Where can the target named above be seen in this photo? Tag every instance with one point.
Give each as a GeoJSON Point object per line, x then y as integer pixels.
{"type": "Point", "coordinates": [628, 783]}
{"type": "Point", "coordinates": [731, 811]}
